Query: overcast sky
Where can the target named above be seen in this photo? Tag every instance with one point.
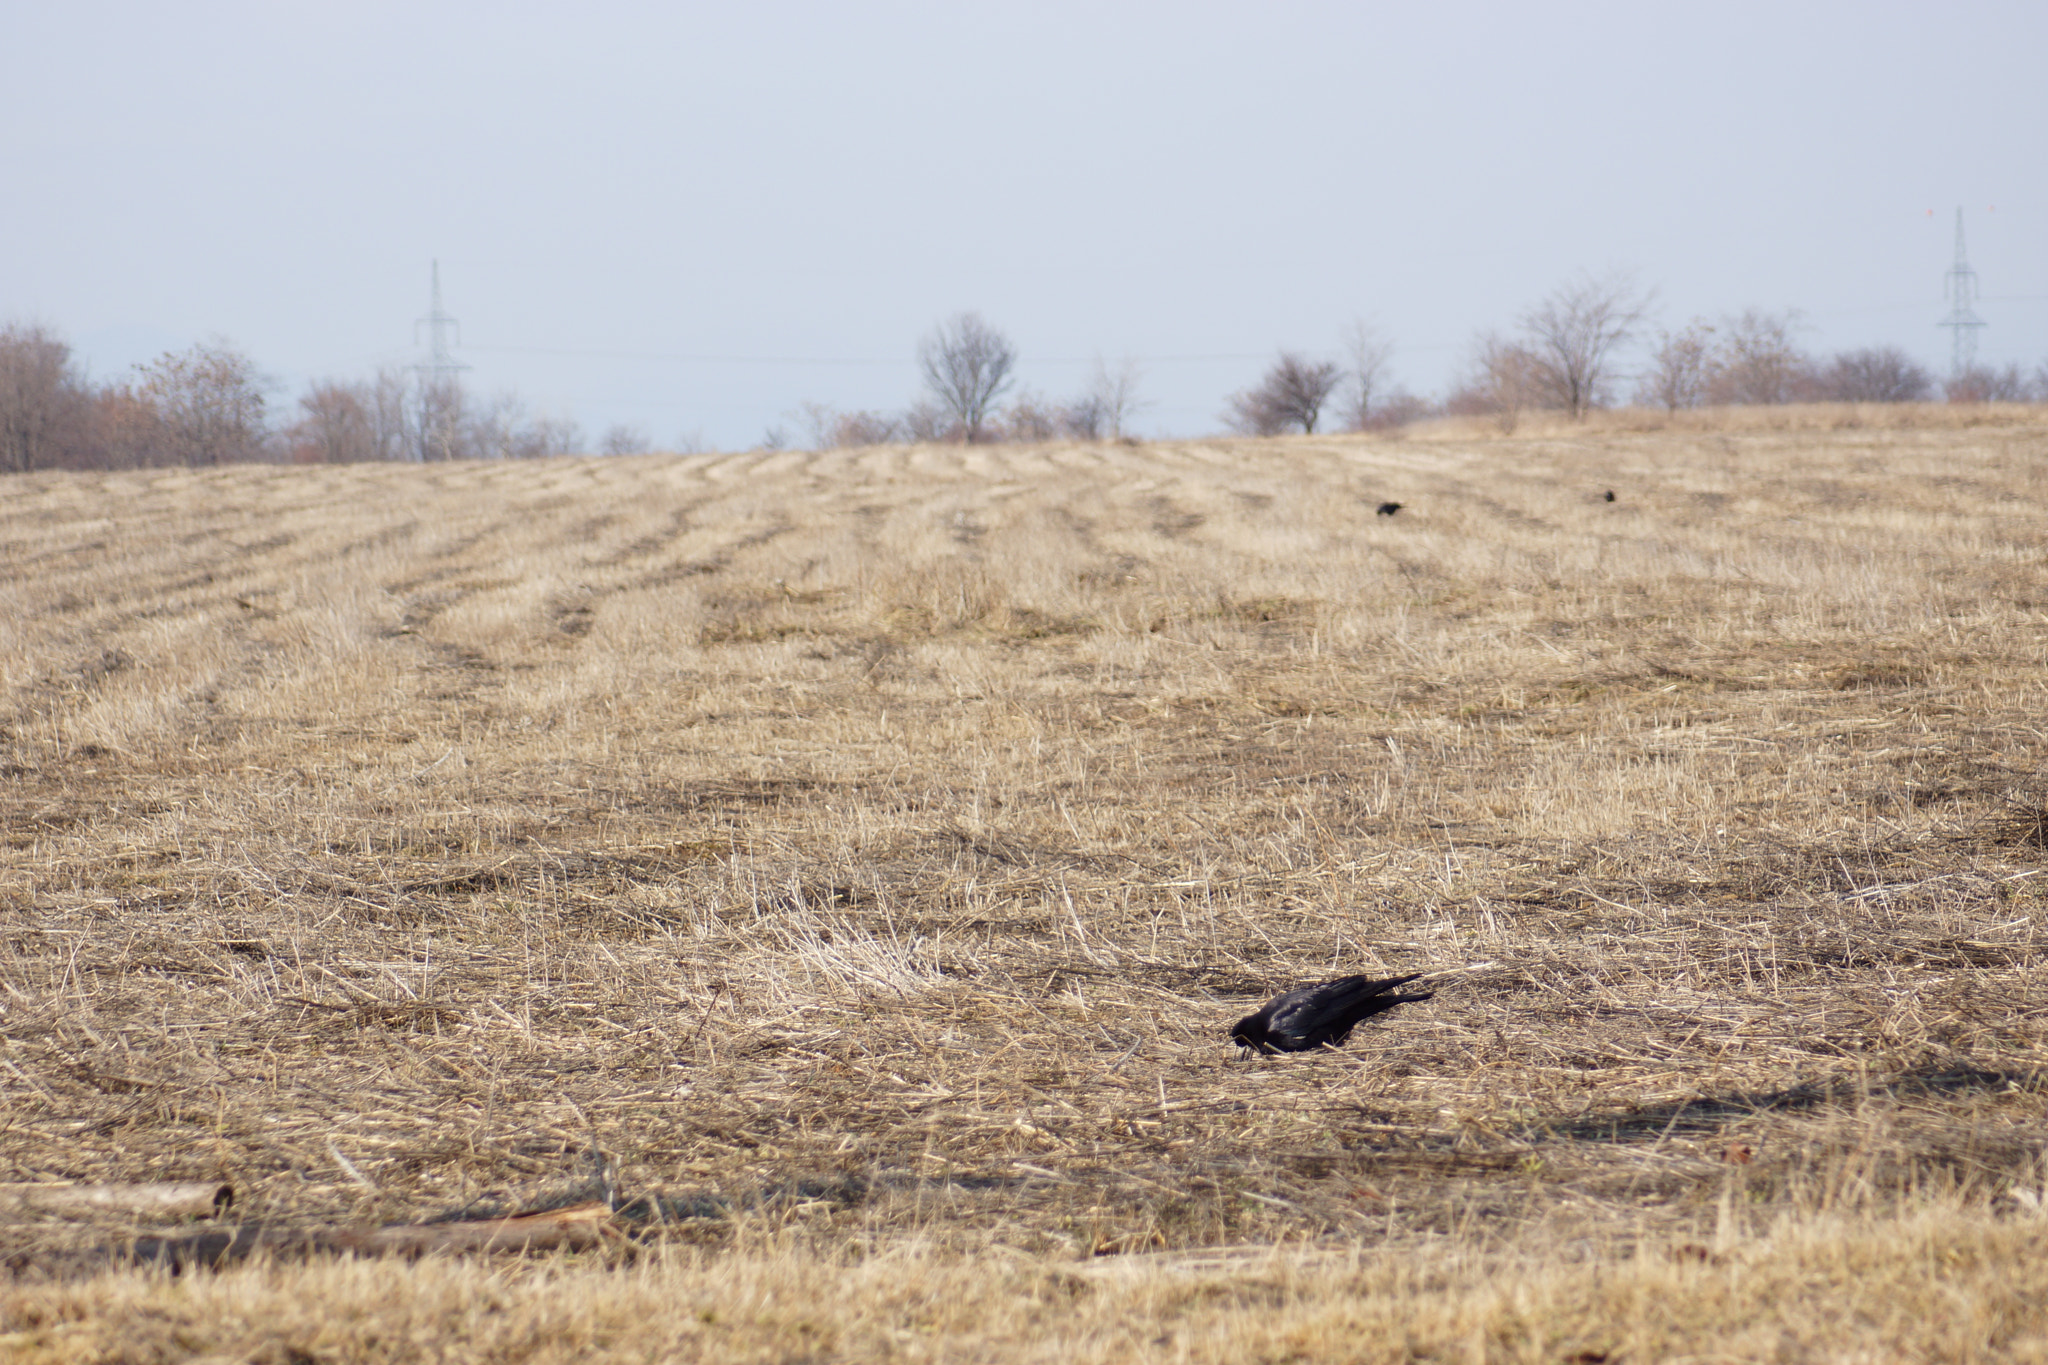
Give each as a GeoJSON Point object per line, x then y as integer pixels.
{"type": "Point", "coordinates": [691, 218]}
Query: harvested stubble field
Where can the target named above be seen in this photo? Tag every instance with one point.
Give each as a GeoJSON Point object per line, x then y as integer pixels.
{"type": "Point", "coordinates": [869, 850]}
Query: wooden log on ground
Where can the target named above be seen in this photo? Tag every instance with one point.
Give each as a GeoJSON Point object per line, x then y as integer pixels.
{"type": "Point", "coordinates": [144, 1199]}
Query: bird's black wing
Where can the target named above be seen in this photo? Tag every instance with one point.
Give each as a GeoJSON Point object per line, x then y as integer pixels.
{"type": "Point", "coordinates": [1317, 1015]}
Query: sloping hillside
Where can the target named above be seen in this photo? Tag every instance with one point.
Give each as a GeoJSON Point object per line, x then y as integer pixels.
{"type": "Point", "coordinates": [869, 851]}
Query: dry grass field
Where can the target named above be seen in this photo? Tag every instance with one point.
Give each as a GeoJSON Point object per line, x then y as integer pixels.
{"type": "Point", "coordinates": [867, 852]}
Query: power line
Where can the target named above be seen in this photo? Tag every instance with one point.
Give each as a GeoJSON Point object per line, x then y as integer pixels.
{"type": "Point", "coordinates": [679, 359]}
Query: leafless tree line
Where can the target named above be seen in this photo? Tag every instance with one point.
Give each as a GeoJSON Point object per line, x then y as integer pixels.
{"type": "Point", "coordinates": [209, 405]}
{"type": "Point", "coordinates": [967, 365]}
{"type": "Point", "coordinates": [1298, 391]}
{"type": "Point", "coordinates": [397, 414]}
{"type": "Point", "coordinates": [1564, 357]}
{"type": "Point", "coordinates": [201, 406]}
{"type": "Point", "coordinates": [1754, 357]}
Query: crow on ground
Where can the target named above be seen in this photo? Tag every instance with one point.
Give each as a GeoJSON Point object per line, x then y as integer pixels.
{"type": "Point", "coordinates": [1309, 1017]}
{"type": "Point", "coordinates": [1387, 509]}
{"type": "Point", "coordinates": [1610, 495]}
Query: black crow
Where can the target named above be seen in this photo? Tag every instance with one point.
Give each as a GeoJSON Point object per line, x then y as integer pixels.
{"type": "Point", "coordinates": [1610, 495]}
{"type": "Point", "coordinates": [1387, 509]}
{"type": "Point", "coordinates": [1310, 1017]}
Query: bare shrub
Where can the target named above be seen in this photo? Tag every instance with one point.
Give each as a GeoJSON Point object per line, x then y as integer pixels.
{"type": "Point", "coordinates": [1989, 384]}
{"type": "Point", "coordinates": [1757, 360]}
{"type": "Point", "coordinates": [866, 429]}
{"type": "Point", "coordinates": [967, 364]}
{"type": "Point", "coordinates": [542, 437]}
{"type": "Point", "coordinates": [830, 429]}
{"type": "Point", "coordinates": [1500, 382]}
{"type": "Point", "coordinates": [925, 420]}
{"type": "Point", "coordinates": [1681, 369]}
{"type": "Point", "coordinates": [1398, 408]}
{"type": "Point", "coordinates": [1030, 418]}
{"type": "Point", "coordinates": [1292, 394]}
{"type": "Point", "coordinates": [1569, 340]}
{"type": "Point", "coordinates": [624, 440]}
{"type": "Point", "coordinates": [1875, 374]}
{"type": "Point", "coordinates": [817, 419]}
{"type": "Point", "coordinates": [1085, 419]}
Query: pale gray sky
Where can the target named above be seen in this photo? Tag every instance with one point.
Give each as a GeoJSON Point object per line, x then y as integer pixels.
{"type": "Point", "coordinates": [695, 217]}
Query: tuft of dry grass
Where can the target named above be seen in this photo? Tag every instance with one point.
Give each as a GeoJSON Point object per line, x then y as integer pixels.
{"type": "Point", "coordinates": [869, 849]}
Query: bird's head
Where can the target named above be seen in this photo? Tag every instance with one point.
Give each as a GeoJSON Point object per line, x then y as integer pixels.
{"type": "Point", "coordinates": [1250, 1032]}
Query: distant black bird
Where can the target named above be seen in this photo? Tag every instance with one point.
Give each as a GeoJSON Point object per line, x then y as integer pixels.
{"type": "Point", "coordinates": [1610, 495]}
{"type": "Point", "coordinates": [1387, 509]}
{"type": "Point", "coordinates": [1309, 1017]}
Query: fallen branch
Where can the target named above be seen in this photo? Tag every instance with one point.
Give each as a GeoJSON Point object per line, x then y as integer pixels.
{"type": "Point", "coordinates": [147, 1199]}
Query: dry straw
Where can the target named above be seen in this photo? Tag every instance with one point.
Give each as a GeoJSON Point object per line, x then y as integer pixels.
{"type": "Point", "coordinates": [869, 850]}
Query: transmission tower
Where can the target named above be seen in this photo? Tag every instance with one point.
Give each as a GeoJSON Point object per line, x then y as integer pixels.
{"type": "Point", "coordinates": [1962, 320]}
{"type": "Point", "coordinates": [440, 398]}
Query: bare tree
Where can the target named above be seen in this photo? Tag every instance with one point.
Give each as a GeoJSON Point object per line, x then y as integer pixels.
{"type": "Point", "coordinates": [1680, 369]}
{"type": "Point", "coordinates": [1085, 419]}
{"type": "Point", "coordinates": [1292, 394]}
{"type": "Point", "coordinates": [1113, 394]}
{"type": "Point", "coordinates": [925, 420]}
{"type": "Point", "coordinates": [369, 420]}
{"type": "Point", "coordinates": [816, 419]}
{"type": "Point", "coordinates": [1398, 408]}
{"type": "Point", "coordinates": [123, 430]}
{"type": "Point", "coordinates": [1106, 406]}
{"type": "Point", "coordinates": [42, 400]}
{"type": "Point", "coordinates": [1757, 360]}
{"type": "Point", "coordinates": [450, 424]}
{"type": "Point", "coordinates": [1570, 339]}
{"type": "Point", "coordinates": [1030, 418]}
{"type": "Point", "coordinates": [1876, 374]}
{"type": "Point", "coordinates": [620, 439]}
{"type": "Point", "coordinates": [863, 428]}
{"type": "Point", "coordinates": [546, 436]}
{"type": "Point", "coordinates": [1502, 382]}
{"type": "Point", "coordinates": [336, 425]}
{"type": "Point", "coordinates": [1988, 384]}
{"type": "Point", "coordinates": [1368, 352]}
{"type": "Point", "coordinates": [209, 403]}
{"type": "Point", "coordinates": [967, 364]}
{"type": "Point", "coordinates": [389, 399]}
{"type": "Point", "coordinates": [445, 424]}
